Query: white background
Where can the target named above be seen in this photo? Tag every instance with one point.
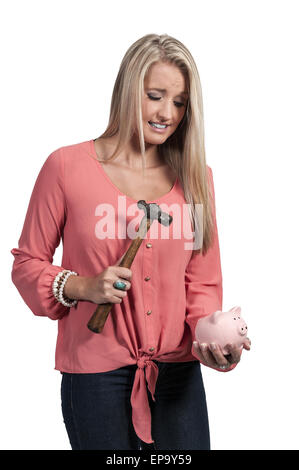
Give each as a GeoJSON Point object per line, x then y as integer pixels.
{"type": "Point", "coordinates": [59, 62]}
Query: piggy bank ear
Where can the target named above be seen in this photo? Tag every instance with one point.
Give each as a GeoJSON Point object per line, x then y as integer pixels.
{"type": "Point", "coordinates": [215, 316]}
{"type": "Point", "coordinates": [236, 310]}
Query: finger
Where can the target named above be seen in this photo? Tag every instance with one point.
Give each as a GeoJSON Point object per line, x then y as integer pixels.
{"type": "Point", "coordinates": [118, 297]}
{"type": "Point", "coordinates": [198, 354]}
{"type": "Point", "coordinates": [207, 355]}
{"type": "Point", "coordinates": [247, 344]}
{"type": "Point", "coordinates": [218, 355]}
{"type": "Point", "coordinates": [197, 351]}
{"type": "Point", "coordinates": [125, 273]}
{"type": "Point", "coordinates": [119, 293]}
{"type": "Point", "coordinates": [234, 353]}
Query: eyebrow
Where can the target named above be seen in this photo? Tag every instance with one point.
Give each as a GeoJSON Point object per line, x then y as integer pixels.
{"type": "Point", "coordinates": [163, 91]}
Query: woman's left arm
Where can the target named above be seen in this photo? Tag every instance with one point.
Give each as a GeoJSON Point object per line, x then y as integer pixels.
{"type": "Point", "coordinates": [204, 293]}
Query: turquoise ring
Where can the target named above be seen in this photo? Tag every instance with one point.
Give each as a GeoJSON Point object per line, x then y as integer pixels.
{"type": "Point", "coordinates": [119, 285]}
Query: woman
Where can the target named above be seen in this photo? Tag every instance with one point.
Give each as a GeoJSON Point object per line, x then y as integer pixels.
{"type": "Point", "coordinates": [139, 381]}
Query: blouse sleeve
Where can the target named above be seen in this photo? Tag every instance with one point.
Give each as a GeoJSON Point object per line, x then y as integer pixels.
{"type": "Point", "coordinates": [32, 270]}
{"type": "Point", "coordinates": [203, 278]}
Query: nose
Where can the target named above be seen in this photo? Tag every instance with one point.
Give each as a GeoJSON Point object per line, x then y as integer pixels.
{"type": "Point", "coordinates": [165, 110]}
{"type": "Point", "coordinates": [243, 330]}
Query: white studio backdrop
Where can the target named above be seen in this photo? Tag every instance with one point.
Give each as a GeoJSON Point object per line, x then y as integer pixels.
{"type": "Point", "coordinates": [59, 63]}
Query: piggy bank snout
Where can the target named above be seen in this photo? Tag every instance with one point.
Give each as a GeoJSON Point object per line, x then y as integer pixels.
{"type": "Point", "coordinates": [242, 329]}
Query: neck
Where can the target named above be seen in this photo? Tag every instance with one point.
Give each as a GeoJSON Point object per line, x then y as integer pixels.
{"type": "Point", "coordinates": [130, 155]}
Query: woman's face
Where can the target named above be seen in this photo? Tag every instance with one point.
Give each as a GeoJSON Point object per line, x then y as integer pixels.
{"type": "Point", "coordinates": [164, 101]}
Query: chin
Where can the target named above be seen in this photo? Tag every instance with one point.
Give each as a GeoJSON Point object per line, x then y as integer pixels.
{"type": "Point", "coordinates": [156, 139]}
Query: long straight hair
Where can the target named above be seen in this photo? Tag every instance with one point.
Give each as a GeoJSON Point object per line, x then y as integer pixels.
{"type": "Point", "coordinates": [184, 150]}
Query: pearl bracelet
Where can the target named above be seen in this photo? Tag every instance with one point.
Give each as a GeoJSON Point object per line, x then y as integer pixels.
{"type": "Point", "coordinates": [58, 287]}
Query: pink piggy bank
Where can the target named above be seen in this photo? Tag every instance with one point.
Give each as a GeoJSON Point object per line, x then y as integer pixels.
{"type": "Point", "coordinates": [222, 328]}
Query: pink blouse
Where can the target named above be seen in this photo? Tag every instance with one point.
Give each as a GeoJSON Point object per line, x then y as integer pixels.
{"type": "Point", "coordinates": [73, 199]}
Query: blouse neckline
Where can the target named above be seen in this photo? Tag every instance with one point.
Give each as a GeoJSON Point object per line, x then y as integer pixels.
{"type": "Point", "coordinates": [159, 199]}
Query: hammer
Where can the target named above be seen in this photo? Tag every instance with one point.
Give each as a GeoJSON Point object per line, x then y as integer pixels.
{"type": "Point", "coordinates": [152, 212]}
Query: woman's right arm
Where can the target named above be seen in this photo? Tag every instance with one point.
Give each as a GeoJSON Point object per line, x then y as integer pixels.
{"type": "Point", "coordinates": [33, 272]}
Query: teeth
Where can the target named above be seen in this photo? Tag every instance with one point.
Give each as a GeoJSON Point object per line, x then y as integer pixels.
{"type": "Point", "coordinates": [159, 126]}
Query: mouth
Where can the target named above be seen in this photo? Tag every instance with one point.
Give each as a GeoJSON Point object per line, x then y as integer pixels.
{"type": "Point", "coordinates": [156, 126]}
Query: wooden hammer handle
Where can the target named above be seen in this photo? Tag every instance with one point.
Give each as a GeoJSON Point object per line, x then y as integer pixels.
{"type": "Point", "coordinates": [98, 319]}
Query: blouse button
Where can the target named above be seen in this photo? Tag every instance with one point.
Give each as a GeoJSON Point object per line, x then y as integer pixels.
{"type": "Point", "coordinates": [151, 349]}
{"type": "Point", "coordinates": [149, 245]}
{"type": "Point", "coordinates": [147, 278]}
{"type": "Point", "coordinates": [148, 312]}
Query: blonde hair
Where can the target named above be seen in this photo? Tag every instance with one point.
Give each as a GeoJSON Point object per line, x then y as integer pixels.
{"type": "Point", "coordinates": [184, 150]}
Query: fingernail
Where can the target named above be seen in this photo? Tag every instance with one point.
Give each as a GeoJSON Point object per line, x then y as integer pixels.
{"type": "Point", "coordinates": [203, 346]}
{"type": "Point", "coordinates": [213, 346]}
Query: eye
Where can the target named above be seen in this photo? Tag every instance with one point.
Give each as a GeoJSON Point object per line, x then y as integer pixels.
{"type": "Point", "coordinates": [153, 97]}
{"type": "Point", "coordinates": [179, 105]}
{"type": "Point", "coordinates": [156, 98]}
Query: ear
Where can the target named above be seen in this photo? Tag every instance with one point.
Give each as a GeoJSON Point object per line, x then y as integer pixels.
{"type": "Point", "coordinates": [236, 310]}
{"type": "Point", "coordinates": [215, 316]}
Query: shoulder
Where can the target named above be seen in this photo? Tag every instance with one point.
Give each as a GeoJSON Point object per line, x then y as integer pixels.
{"type": "Point", "coordinates": [63, 154]}
{"type": "Point", "coordinates": [70, 149]}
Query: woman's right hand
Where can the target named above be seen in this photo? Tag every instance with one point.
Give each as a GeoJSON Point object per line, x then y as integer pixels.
{"type": "Point", "coordinates": [99, 289]}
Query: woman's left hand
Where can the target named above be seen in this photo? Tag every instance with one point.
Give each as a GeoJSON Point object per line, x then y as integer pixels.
{"type": "Point", "coordinates": [212, 356]}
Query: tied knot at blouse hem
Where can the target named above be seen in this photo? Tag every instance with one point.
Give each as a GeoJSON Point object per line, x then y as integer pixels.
{"type": "Point", "coordinates": [75, 202]}
{"type": "Point", "coordinates": [147, 371]}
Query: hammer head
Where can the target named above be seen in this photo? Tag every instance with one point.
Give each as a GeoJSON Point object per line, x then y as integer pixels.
{"type": "Point", "coordinates": [153, 211]}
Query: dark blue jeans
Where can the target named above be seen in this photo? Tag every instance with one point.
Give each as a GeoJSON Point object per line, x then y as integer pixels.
{"type": "Point", "coordinates": [97, 411]}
